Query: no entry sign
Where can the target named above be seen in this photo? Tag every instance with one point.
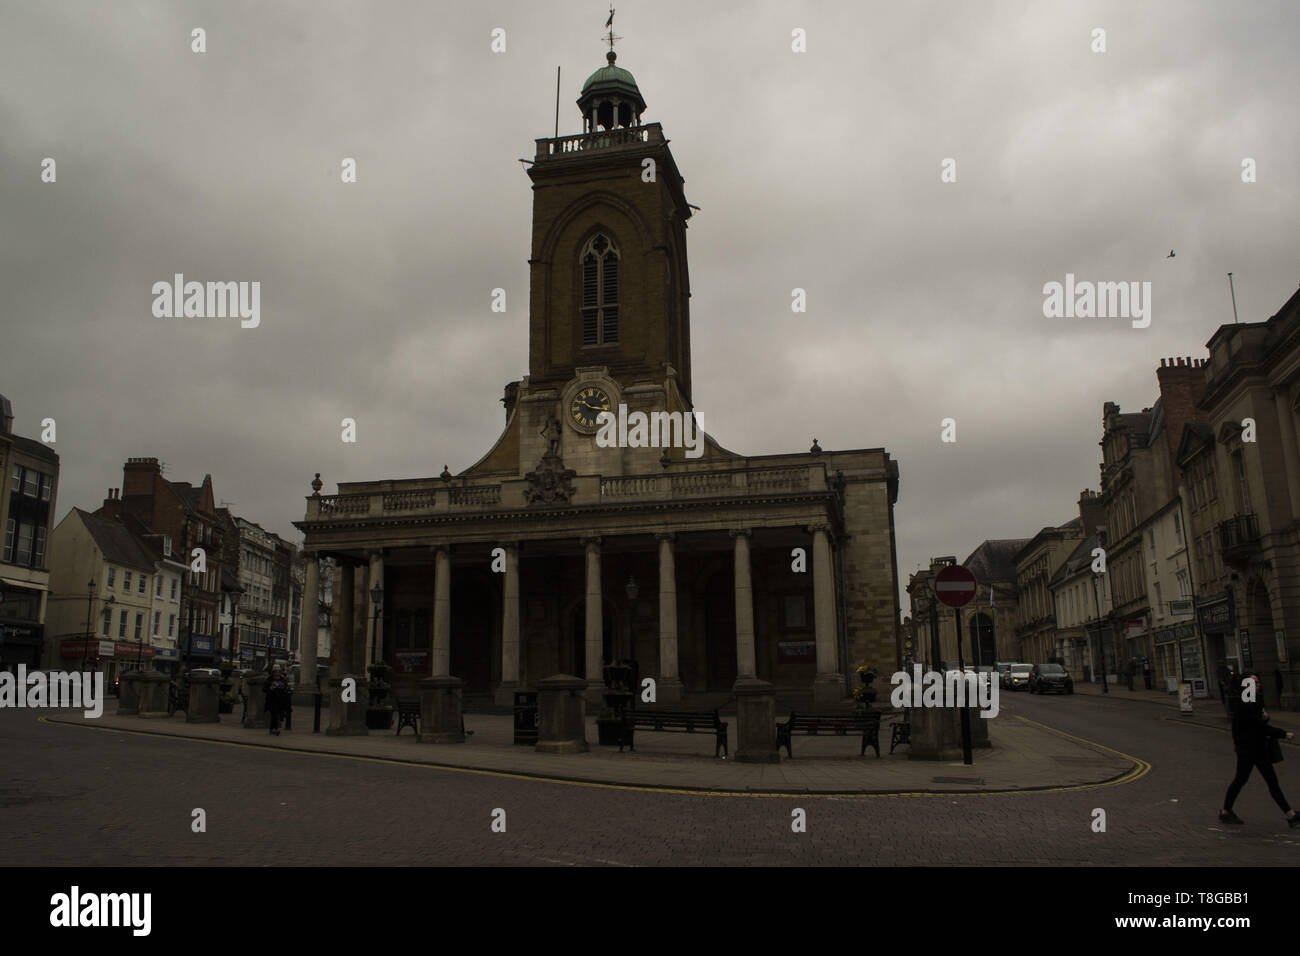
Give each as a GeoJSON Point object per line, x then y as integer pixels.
{"type": "Point", "coordinates": [954, 586]}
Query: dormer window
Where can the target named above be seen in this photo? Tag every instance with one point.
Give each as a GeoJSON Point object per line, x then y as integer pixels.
{"type": "Point", "coordinates": [599, 292]}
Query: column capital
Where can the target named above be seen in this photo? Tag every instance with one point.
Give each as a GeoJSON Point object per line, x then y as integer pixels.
{"type": "Point", "coordinates": [741, 532]}
{"type": "Point", "coordinates": [823, 527]}
{"type": "Point", "coordinates": [590, 540]}
{"type": "Point", "coordinates": [439, 548]}
{"type": "Point", "coordinates": [512, 545]}
{"type": "Point", "coordinates": [666, 536]}
{"type": "Point", "coordinates": [375, 553]}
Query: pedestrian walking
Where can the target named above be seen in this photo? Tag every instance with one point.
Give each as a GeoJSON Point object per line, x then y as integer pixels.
{"type": "Point", "coordinates": [1257, 747]}
{"type": "Point", "coordinates": [277, 698]}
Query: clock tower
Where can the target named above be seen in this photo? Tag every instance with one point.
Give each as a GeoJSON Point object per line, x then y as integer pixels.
{"type": "Point", "coordinates": [609, 293]}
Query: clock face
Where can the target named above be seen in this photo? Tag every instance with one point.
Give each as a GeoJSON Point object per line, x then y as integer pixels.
{"type": "Point", "coordinates": [587, 403]}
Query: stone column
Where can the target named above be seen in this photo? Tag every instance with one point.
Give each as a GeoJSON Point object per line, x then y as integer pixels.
{"type": "Point", "coordinates": [509, 626]}
{"type": "Point", "coordinates": [595, 622]}
{"type": "Point", "coordinates": [1286, 425]}
{"type": "Point", "coordinates": [440, 659]}
{"type": "Point", "coordinates": [345, 584]}
{"type": "Point", "coordinates": [307, 680]}
{"type": "Point", "coordinates": [373, 577]}
{"type": "Point", "coordinates": [744, 607]}
{"type": "Point", "coordinates": [360, 621]}
{"type": "Point", "coordinates": [669, 689]}
{"type": "Point", "coordinates": [828, 687]}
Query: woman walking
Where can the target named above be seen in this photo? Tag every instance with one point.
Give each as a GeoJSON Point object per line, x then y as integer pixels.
{"type": "Point", "coordinates": [277, 698]}
{"type": "Point", "coordinates": [1253, 739]}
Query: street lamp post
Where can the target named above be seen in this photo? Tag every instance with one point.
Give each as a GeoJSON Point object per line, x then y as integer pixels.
{"type": "Point", "coordinates": [85, 648]}
{"type": "Point", "coordinates": [1101, 647]}
{"type": "Point", "coordinates": [376, 595]}
{"type": "Point", "coordinates": [631, 590]}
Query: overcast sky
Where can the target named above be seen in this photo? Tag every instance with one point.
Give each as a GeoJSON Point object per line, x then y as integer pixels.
{"type": "Point", "coordinates": [818, 170]}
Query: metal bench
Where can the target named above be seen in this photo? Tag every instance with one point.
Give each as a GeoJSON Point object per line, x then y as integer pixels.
{"type": "Point", "coordinates": [900, 731]}
{"type": "Point", "coordinates": [831, 725]}
{"type": "Point", "coordinates": [408, 715]}
{"type": "Point", "coordinates": [674, 722]}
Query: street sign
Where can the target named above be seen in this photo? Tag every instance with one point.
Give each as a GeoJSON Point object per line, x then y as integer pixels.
{"type": "Point", "coordinates": [954, 586]}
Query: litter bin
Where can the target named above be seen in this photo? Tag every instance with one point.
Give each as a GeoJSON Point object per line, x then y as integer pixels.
{"type": "Point", "coordinates": [526, 717]}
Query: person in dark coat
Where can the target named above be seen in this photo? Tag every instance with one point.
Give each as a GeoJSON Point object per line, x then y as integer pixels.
{"type": "Point", "coordinates": [277, 698]}
{"type": "Point", "coordinates": [1250, 737]}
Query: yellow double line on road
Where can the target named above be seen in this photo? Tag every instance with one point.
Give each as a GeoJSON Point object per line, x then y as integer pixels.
{"type": "Point", "coordinates": [1140, 768]}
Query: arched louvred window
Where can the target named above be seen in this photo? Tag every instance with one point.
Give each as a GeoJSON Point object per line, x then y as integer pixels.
{"type": "Point", "coordinates": [599, 292]}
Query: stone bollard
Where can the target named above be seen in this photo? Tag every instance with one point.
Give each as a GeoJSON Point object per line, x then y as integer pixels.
{"type": "Point", "coordinates": [255, 716]}
{"type": "Point", "coordinates": [936, 733]}
{"type": "Point", "coordinates": [441, 720]}
{"type": "Point", "coordinates": [755, 721]}
{"type": "Point", "coordinates": [205, 690]}
{"type": "Point", "coordinates": [153, 694]}
{"type": "Point", "coordinates": [562, 714]}
{"type": "Point", "coordinates": [348, 717]}
{"type": "Point", "coordinates": [128, 694]}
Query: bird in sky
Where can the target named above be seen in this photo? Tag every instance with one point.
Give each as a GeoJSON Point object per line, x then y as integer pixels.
{"type": "Point", "coordinates": [1171, 254]}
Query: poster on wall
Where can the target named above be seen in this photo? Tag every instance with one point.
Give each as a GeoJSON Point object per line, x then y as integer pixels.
{"type": "Point", "coordinates": [1279, 638]}
{"type": "Point", "coordinates": [411, 662]}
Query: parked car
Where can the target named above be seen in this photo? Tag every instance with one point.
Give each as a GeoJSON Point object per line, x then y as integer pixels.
{"type": "Point", "coordinates": [1004, 672]}
{"type": "Point", "coordinates": [1054, 677]}
{"type": "Point", "coordinates": [1018, 676]}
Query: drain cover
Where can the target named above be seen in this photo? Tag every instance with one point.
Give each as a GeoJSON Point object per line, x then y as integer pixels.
{"type": "Point", "coordinates": [978, 780]}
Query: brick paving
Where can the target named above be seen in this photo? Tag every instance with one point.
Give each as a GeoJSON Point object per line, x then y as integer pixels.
{"type": "Point", "coordinates": [1024, 756]}
{"type": "Point", "coordinates": [87, 797]}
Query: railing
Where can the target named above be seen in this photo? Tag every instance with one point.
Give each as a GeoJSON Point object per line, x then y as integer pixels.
{"type": "Point", "coordinates": [784, 479]}
{"type": "Point", "coordinates": [601, 139]}
{"type": "Point", "coordinates": [344, 504]}
{"type": "Point", "coordinates": [701, 483]}
{"type": "Point", "coordinates": [1239, 535]}
{"type": "Point", "coordinates": [637, 487]}
{"type": "Point", "coordinates": [410, 500]}
{"type": "Point", "coordinates": [477, 495]}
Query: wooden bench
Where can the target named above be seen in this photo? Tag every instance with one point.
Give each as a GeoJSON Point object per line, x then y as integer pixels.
{"type": "Point", "coordinates": [900, 731]}
{"type": "Point", "coordinates": [674, 722]}
{"type": "Point", "coordinates": [836, 725]}
{"type": "Point", "coordinates": [408, 714]}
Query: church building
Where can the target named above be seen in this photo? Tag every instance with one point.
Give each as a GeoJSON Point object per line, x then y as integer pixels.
{"type": "Point", "coordinates": [561, 550]}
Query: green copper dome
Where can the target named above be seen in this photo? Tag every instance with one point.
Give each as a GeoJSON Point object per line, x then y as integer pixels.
{"type": "Point", "coordinates": [611, 82]}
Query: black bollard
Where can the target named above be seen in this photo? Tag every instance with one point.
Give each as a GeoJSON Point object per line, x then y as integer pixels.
{"type": "Point", "coordinates": [315, 728]}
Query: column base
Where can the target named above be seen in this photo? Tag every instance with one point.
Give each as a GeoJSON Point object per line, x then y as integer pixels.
{"type": "Point", "coordinates": [504, 695]}
{"type": "Point", "coordinates": [440, 711]}
{"type": "Point", "coordinates": [828, 690]}
{"type": "Point", "coordinates": [670, 690]}
{"type": "Point", "coordinates": [562, 711]}
{"type": "Point", "coordinates": [346, 718]}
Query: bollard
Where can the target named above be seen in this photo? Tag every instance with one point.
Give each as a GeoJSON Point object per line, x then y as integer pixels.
{"type": "Point", "coordinates": [315, 727]}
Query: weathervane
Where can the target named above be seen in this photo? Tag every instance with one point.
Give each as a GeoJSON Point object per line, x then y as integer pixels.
{"type": "Point", "coordinates": [609, 25]}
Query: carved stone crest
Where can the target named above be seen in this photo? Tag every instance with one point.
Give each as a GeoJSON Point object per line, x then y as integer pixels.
{"type": "Point", "coordinates": [550, 482]}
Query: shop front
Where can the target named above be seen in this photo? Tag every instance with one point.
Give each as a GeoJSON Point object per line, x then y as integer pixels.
{"type": "Point", "coordinates": [1217, 615]}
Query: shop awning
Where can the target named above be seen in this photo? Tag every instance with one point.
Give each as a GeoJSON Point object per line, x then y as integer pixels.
{"type": "Point", "coordinates": [30, 585]}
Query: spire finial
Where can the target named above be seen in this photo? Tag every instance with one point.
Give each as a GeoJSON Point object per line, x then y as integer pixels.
{"type": "Point", "coordinates": [611, 56]}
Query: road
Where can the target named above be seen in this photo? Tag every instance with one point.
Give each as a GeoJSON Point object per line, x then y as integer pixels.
{"type": "Point", "coordinates": [89, 797]}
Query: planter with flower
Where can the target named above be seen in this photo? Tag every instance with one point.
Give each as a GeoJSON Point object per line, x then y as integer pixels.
{"type": "Point", "coordinates": [864, 694]}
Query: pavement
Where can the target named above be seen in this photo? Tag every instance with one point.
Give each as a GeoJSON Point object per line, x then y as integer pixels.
{"type": "Point", "coordinates": [1205, 711]}
{"type": "Point", "coordinates": [1025, 756]}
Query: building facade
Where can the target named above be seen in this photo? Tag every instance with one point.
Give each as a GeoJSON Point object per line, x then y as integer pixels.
{"type": "Point", "coordinates": [29, 480]}
{"type": "Point", "coordinates": [555, 553]}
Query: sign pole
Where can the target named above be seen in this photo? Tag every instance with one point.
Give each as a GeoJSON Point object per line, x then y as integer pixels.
{"type": "Point", "coordinates": [966, 757]}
